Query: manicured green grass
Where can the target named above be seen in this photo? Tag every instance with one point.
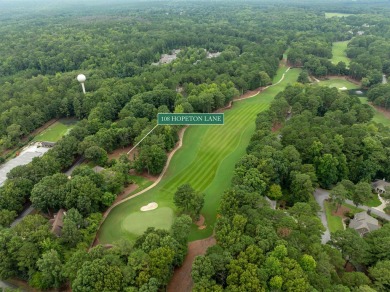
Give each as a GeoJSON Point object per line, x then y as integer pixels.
{"type": "Point", "coordinates": [373, 201]}
{"type": "Point", "coordinates": [334, 222]}
{"type": "Point", "coordinates": [206, 161]}
{"type": "Point", "coordinates": [331, 14]}
{"type": "Point", "coordinates": [378, 116]}
{"type": "Point", "coordinates": [338, 83]}
{"type": "Point", "coordinates": [339, 54]}
{"type": "Point", "coordinates": [353, 209]}
{"type": "Point", "coordinates": [141, 182]}
{"type": "Point", "coordinates": [56, 131]}
{"type": "Point", "coordinates": [137, 222]}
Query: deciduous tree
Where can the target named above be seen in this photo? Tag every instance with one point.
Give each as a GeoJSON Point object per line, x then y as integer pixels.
{"type": "Point", "coordinates": [189, 201]}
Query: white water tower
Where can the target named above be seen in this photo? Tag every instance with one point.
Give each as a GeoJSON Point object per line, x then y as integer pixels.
{"type": "Point", "coordinates": [81, 78]}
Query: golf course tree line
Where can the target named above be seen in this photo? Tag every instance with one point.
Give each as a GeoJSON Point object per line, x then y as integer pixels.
{"type": "Point", "coordinates": [369, 53]}
{"type": "Point", "coordinates": [368, 49]}
{"type": "Point", "coordinates": [188, 201]}
{"type": "Point", "coordinates": [27, 103]}
{"type": "Point", "coordinates": [118, 110]}
{"type": "Point", "coordinates": [332, 132]}
{"type": "Point", "coordinates": [38, 65]}
{"type": "Point", "coordinates": [314, 54]}
{"type": "Point", "coordinates": [31, 251]}
{"type": "Point", "coordinates": [380, 95]}
{"type": "Point", "coordinates": [40, 57]}
{"type": "Point", "coordinates": [327, 140]}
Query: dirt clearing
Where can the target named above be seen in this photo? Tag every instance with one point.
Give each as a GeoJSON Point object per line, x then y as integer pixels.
{"type": "Point", "coordinates": [181, 280]}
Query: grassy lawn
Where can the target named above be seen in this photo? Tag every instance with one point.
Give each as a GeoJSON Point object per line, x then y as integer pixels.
{"type": "Point", "coordinates": [56, 131]}
{"type": "Point", "coordinates": [338, 83]}
{"type": "Point", "coordinates": [378, 116]}
{"type": "Point", "coordinates": [373, 201]}
{"type": "Point", "coordinates": [137, 222]}
{"type": "Point", "coordinates": [334, 222]}
{"type": "Point", "coordinates": [338, 52]}
{"type": "Point", "coordinates": [353, 208]}
{"type": "Point", "coordinates": [331, 14]}
{"type": "Point", "coordinates": [206, 161]}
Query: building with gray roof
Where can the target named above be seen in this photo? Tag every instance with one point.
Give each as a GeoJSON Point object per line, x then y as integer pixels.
{"type": "Point", "coordinates": [364, 223]}
{"type": "Point", "coordinates": [379, 186]}
{"type": "Point", "coordinates": [24, 158]}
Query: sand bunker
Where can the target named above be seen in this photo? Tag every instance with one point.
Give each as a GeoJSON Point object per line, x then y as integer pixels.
{"type": "Point", "coordinates": [149, 207]}
{"type": "Point", "coordinates": [343, 88]}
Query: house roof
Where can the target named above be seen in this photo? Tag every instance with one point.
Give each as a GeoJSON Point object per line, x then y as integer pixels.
{"type": "Point", "coordinates": [98, 169]}
{"type": "Point", "coordinates": [48, 143]}
{"type": "Point", "coordinates": [363, 221]}
{"type": "Point", "coordinates": [57, 222]}
{"type": "Point", "coordinates": [380, 184]}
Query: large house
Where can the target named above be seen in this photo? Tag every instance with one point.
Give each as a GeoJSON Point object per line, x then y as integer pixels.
{"type": "Point", "coordinates": [379, 186]}
{"type": "Point", "coordinates": [364, 223]}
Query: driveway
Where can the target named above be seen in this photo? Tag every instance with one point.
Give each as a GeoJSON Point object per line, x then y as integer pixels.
{"type": "Point", "coordinates": [373, 210]}
{"type": "Point", "coordinates": [321, 195]}
{"type": "Point", "coordinates": [26, 212]}
{"type": "Point", "coordinates": [4, 285]}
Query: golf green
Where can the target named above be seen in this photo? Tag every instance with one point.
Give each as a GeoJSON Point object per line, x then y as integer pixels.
{"type": "Point", "coordinates": [206, 161]}
{"type": "Point", "coordinates": [338, 83]}
{"type": "Point", "coordinates": [138, 222]}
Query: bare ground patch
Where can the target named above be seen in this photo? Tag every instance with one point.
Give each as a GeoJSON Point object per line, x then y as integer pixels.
{"type": "Point", "coordinates": [200, 223]}
{"type": "Point", "coordinates": [117, 152]}
{"type": "Point", "coordinates": [276, 127]}
{"type": "Point", "coordinates": [341, 211]}
{"type": "Point", "coordinates": [128, 190]}
{"type": "Point", "coordinates": [144, 175]}
{"type": "Point", "coordinates": [181, 280]}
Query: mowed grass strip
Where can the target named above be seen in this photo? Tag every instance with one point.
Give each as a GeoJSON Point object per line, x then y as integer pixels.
{"type": "Point", "coordinates": [339, 52]}
{"type": "Point", "coordinates": [56, 131]}
{"type": "Point", "coordinates": [206, 161]}
{"type": "Point", "coordinates": [378, 116]}
{"type": "Point", "coordinates": [334, 222]}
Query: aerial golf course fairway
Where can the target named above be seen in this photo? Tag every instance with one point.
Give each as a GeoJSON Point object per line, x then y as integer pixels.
{"type": "Point", "coordinates": [339, 52]}
{"type": "Point", "coordinates": [206, 161]}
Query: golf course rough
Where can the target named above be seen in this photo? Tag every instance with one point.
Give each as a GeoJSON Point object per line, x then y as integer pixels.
{"type": "Point", "coordinates": [206, 161]}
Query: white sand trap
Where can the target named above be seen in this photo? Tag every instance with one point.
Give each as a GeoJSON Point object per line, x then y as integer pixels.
{"type": "Point", "coordinates": [343, 88]}
{"type": "Point", "coordinates": [149, 207]}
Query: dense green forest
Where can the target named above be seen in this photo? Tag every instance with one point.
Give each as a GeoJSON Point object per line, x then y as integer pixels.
{"type": "Point", "coordinates": [328, 140]}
